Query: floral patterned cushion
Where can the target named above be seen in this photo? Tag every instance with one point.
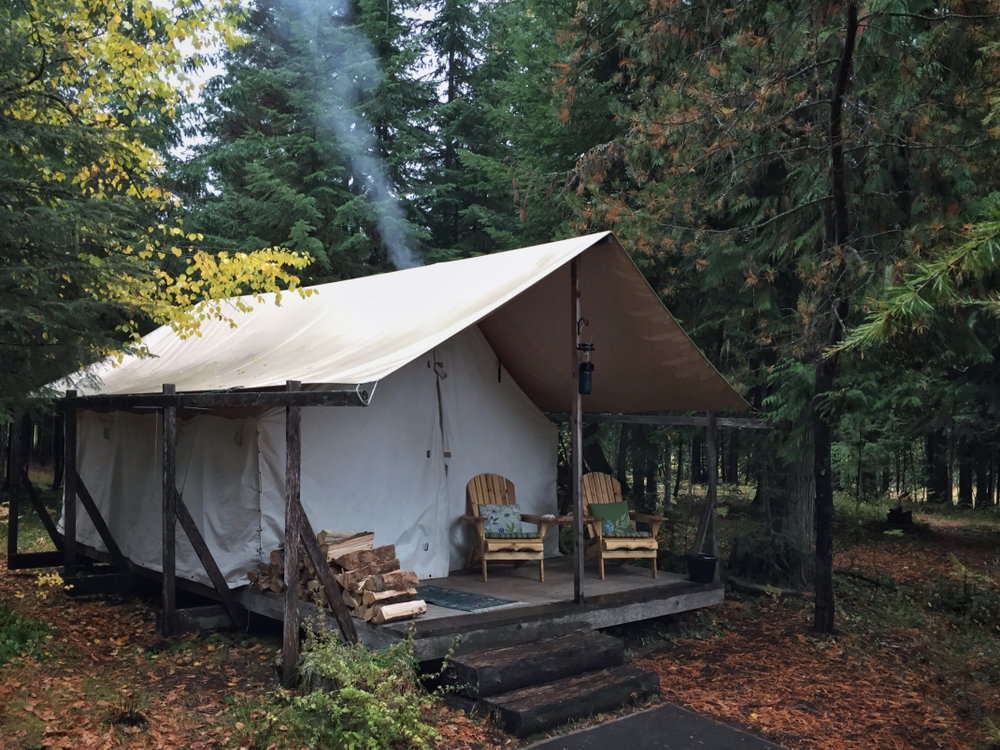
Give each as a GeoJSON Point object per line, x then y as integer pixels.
{"type": "Point", "coordinates": [515, 535]}
{"type": "Point", "coordinates": [616, 520]}
{"type": "Point", "coordinates": [501, 519]}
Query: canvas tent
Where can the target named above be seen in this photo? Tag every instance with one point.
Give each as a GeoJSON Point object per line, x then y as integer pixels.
{"type": "Point", "coordinates": [456, 364]}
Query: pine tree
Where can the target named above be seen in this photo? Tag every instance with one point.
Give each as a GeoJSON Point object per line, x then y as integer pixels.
{"type": "Point", "coordinates": [311, 136]}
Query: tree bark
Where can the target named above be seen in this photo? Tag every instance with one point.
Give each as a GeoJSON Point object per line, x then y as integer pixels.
{"type": "Point", "coordinates": [834, 307]}
{"type": "Point", "coordinates": [593, 453]}
{"type": "Point", "coordinates": [938, 474]}
{"type": "Point", "coordinates": [964, 474]}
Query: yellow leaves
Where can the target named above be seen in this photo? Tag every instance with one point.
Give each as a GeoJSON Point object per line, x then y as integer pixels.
{"type": "Point", "coordinates": [176, 251]}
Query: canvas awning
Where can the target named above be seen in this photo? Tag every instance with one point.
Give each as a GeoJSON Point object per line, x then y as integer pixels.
{"type": "Point", "coordinates": [359, 331]}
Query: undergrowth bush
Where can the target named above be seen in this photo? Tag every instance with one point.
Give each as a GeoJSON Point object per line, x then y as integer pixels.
{"type": "Point", "coordinates": [973, 597]}
{"type": "Point", "coordinates": [352, 698]}
{"type": "Point", "coordinates": [766, 557]}
{"type": "Point", "coordinates": [19, 636]}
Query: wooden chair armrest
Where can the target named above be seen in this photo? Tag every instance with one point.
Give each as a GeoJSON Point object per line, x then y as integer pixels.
{"type": "Point", "coordinates": [470, 518]}
{"type": "Point", "coordinates": [653, 521]}
{"type": "Point", "coordinates": [532, 518]}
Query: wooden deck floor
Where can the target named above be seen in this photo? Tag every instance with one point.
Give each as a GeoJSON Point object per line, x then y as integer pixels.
{"type": "Point", "coordinates": [539, 610]}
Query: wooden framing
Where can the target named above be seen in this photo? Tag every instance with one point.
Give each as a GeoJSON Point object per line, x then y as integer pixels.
{"type": "Point", "coordinates": [19, 481]}
{"type": "Point", "coordinates": [733, 423]}
{"type": "Point", "coordinates": [707, 527]}
{"type": "Point", "coordinates": [576, 433]}
{"type": "Point", "coordinates": [222, 400]}
{"type": "Point", "coordinates": [299, 530]}
{"type": "Point", "coordinates": [70, 492]}
{"type": "Point", "coordinates": [169, 498]}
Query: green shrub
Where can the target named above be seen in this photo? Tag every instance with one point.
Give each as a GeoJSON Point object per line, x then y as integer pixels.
{"type": "Point", "coordinates": [767, 557]}
{"type": "Point", "coordinates": [351, 699]}
{"type": "Point", "coordinates": [20, 637]}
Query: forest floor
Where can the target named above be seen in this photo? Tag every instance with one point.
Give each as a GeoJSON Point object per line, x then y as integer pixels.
{"type": "Point", "coordinates": [916, 664]}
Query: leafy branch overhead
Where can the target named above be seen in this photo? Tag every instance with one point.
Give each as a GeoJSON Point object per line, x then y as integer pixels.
{"type": "Point", "coordinates": [89, 92]}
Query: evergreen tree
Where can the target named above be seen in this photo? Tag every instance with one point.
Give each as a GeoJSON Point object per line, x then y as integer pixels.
{"type": "Point", "coordinates": [311, 137]}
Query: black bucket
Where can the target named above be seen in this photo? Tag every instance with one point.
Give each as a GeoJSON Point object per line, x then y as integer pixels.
{"type": "Point", "coordinates": [701, 567]}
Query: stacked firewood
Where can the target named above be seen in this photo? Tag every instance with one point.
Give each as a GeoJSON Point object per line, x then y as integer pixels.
{"type": "Point", "coordinates": [372, 584]}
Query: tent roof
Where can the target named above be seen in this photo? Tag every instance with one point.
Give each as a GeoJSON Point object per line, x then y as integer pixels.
{"type": "Point", "coordinates": [361, 330]}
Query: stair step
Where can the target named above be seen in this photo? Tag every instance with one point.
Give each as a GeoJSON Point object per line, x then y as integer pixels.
{"type": "Point", "coordinates": [501, 670]}
{"type": "Point", "coordinates": [534, 709]}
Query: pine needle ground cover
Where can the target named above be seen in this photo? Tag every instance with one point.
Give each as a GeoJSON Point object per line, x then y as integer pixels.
{"type": "Point", "coordinates": [89, 674]}
{"type": "Point", "coordinates": [916, 664]}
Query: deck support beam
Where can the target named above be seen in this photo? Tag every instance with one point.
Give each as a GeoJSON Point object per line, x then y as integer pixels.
{"type": "Point", "coordinates": [13, 488]}
{"type": "Point", "coordinates": [293, 487]}
{"type": "Point", "coordinates": [576, 437]}
{"type": "Point", "coordinates": [707, 539]}
{"type": "Point", "coordinates": [70, 491]}
{"type": "Point", "coordinates": [168, 618]}
{"type": "Point", "coordinates": [299, 534]}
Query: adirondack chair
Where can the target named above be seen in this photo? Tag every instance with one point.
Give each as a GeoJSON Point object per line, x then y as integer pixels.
{"type": "Point", "coordinates": [516, 546]}
{"type": "Point", "coordinates": [599, 488]}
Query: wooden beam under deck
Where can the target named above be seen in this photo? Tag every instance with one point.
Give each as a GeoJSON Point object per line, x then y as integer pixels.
{"type": "Point", "coordinates": [434, 637]}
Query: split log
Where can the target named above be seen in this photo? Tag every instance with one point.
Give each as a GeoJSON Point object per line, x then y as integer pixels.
{"type": "Point", "coordinates": [278, 562]}
{"type": "Point", "coordinates": [388, 597]}
{"type": "Point", "coordinates": [352, 579]}
{"type": "Point", "coordinates": [389, 612]}
{"type": "Point", "coordinates": [351, 599]}
{"type": "Point", "coordinates": [398, 580]}
{"type": "Point", "coordinates": [367, 557]}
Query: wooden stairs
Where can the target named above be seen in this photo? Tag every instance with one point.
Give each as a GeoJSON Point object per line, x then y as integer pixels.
{"type": "Point", "coordinates": [536, 686]}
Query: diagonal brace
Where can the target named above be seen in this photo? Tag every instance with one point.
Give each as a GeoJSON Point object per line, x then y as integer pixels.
{"type": "Point", "coordinates": [87, 500]}
{"type": "Point", "coordinates": [235, 612]}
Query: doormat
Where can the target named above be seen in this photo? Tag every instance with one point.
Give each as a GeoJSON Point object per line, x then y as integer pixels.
{"type": "Point", "coordinates": [463, 600]}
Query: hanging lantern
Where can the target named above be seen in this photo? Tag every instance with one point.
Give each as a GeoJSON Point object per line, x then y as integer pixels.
{"type": "Point", "coordinates": [585, 382]}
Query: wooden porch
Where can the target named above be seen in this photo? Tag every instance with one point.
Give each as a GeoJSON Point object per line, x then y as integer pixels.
{"type": "Point", "coordinates": [536, 610]}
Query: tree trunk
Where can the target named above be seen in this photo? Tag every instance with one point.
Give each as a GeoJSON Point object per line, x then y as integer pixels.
{"type": "Point", "coordinates": [620, 467]}
{"type": "Point", "coordinates": [834, 308]}
{"type": "Point", "coordinates": [698, 473]}
{"type": "Point", "coordinates": [593, 453]}
{"type": "Point", "coordinates": [733, 464]}
{"type": "Point", "coordinates": [938, 478]}
{"type": "Point", "coordinates": [791, 494]}
{"type": "Point", "coordinates": [964, 474]}
{"type": "Point", "coordinates": [680, 468]}
{"type": "Point", "coordinates": [983, 457]}
{"type": "Point", "coordinates": [667, 472]}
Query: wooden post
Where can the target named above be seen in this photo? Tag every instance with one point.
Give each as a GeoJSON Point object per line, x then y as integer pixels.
{"type": "Point", "coordinates": [69, 495]}
{"type": "Point", "coordinates": [14, 484]}
{"type": "Point", "coordinates": [707, 534]}
{"type": "Point", "coordinates": [711, 434]}
{"type": "Point", "coordinates": [576, 436]}
{"type": "Point", "coordinates": [293, 467]}
{"type": "Point", "coordinates": [168, 615]}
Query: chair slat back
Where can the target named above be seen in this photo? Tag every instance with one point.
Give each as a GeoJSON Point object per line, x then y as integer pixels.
{"type": "Point", "coordinates": [489, 489]}
{"type": "Point", "coordinates": [600, 488]}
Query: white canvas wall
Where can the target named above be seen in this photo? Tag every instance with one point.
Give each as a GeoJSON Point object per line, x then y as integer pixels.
{"type": "Point", "coordinates": [120, 459]}
{"type": "Point", "coordinates": [362, 468]}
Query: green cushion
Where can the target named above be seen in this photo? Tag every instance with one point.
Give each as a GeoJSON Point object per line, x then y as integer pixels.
{"type": "Point", "coordinates": [513, 535]}
{"type": "Point", "coordinates": [616, 520]}
{"type": "Point", "coordinates": [501, 519]}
